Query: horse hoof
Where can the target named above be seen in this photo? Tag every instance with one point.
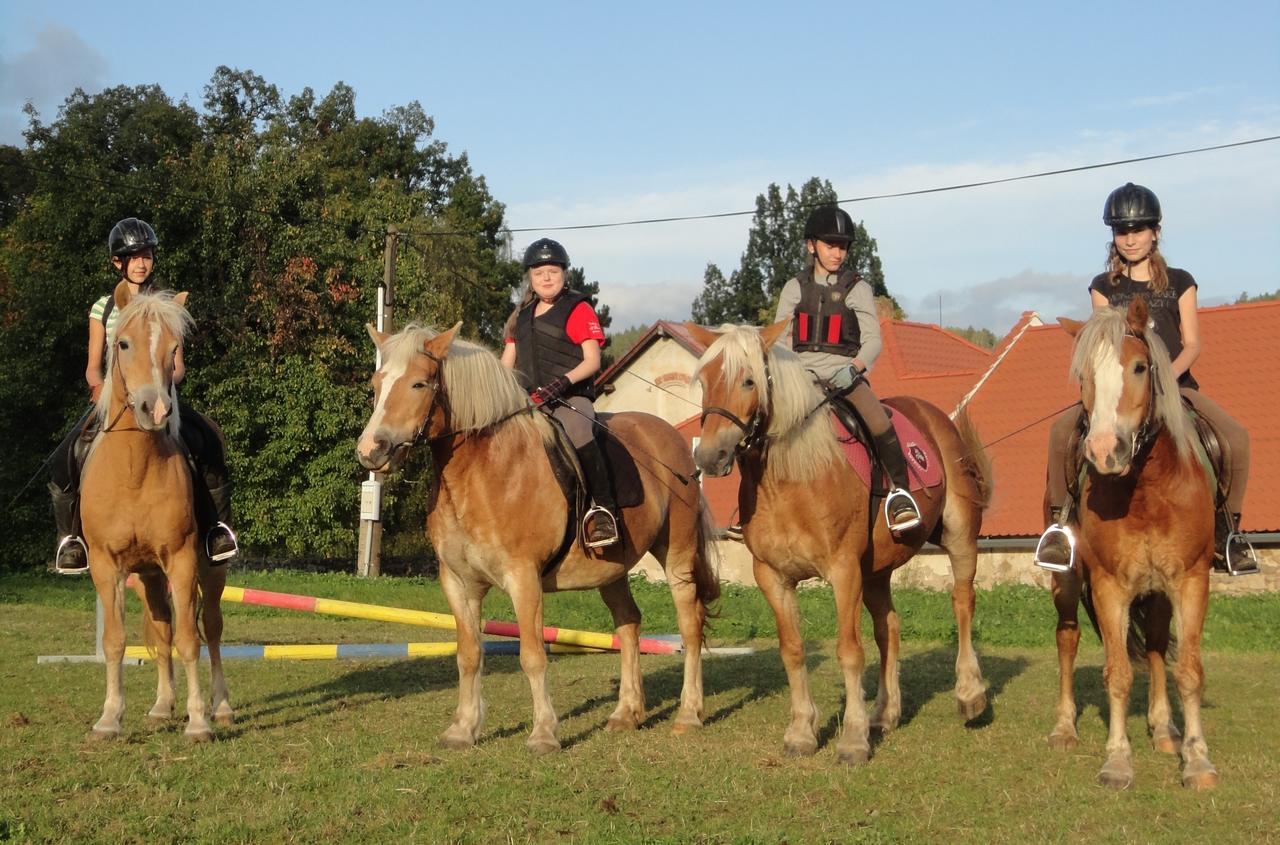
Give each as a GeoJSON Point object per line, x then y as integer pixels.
{"type": "Point", "coordinates": [973, 708]}
{"type": "Point", "coordinates": [853, 756]}
{"type": "Point", "coordinates": [99, 735]}
{"type": "Point", "coordinates": [540, 747]}
{"type": "Point", "coordinates": [1063, 740]}
{"type": "Point", "coordinates": [801, 749]}
{"type": "Point", "coordinates": [1116, 776]}
{"type": "Point", "coordinates": [199, 736]}
{"type": "Point", "coordinates": [157, 722]}
{"type": "Point", "coordinates": [224, 720]}
{"type": "Point", "coordinates": [686, 726]}
{"type": "Point", "coordinates": [1166, 744]}
{"type": "Point", "coordinates": [1200, 776]}
{"type": "Point", "coordinates": [619, 723]}
{"type": "Point", "coordinates": [453, 743]}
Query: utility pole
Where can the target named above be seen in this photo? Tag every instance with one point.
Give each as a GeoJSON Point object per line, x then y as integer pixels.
{"type": "Point", "coordinates": [369, 551]}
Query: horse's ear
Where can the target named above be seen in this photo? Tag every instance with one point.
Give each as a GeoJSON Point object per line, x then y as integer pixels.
{"type": "Point", "coordinates": [1072, 327]}
{"type": "Point", "coordinates": [1137, 315]}
{"type": "Point", "coordinates": [439, 345]}
{"type": "Point", "coordinates": [180, 299]}
{"type": "Point", "coordinates": [122, 294]}
{"type": "Point", "coordinates": [770, 335]}
{"type": "Point", "coordinates": [376, 336]}
{"type": "Point", "coordinates": [701, 334]}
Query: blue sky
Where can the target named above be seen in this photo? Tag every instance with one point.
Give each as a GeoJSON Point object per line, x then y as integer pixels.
{"type": "Point", "coordinates": [593, 112]}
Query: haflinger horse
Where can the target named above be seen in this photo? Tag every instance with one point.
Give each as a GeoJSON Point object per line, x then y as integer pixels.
{"type": "Point", "coordinates": [1145, 541]}
{"type": "Point", "coordinates": [806, 513]}
{"type": "Point", "coordinates": [138, 516]}
{"type": "Point", "coordinates": [498, 517]}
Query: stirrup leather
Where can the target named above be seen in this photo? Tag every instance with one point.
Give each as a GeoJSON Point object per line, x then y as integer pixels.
{"type": "Point", "coordinates": [895, 495]}
{"type": "Point", "coordinates": [601, 512]}
{"type": "Point", "coordinates": [1052, 530]}
{"type": "Point", "coordinates": [70, 540]}
{"type": "Point", "coordinates": [235, 544]}
{"type": "Point", "coordinates": [1250, 557]}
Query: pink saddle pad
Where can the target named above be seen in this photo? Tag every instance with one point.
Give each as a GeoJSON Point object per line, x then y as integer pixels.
{"type": "Point", "coordinates": [923, 467]}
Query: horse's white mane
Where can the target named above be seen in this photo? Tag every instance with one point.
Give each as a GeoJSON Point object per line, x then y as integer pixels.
{"type": "Point", "coordinates": [159, 307]}
{"type": "Point", "coordinates": [802, 444]}
{"type": "Point", "coordinates": [1106, 328]}
{"type": "Point", "coordinates": [480, 390]}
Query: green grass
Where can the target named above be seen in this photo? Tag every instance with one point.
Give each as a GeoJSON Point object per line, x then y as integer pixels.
{"type": "Point", "coordinates": [346, 750]}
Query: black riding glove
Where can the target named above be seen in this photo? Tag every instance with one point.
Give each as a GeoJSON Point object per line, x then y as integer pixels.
{"type": "Point", "coordinates": [552, 390]}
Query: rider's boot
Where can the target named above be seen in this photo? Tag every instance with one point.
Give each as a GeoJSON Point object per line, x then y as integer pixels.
{"type": "Point", "coordinates": [602, 518]}
{"type": "Point", "coordinates": [1232, 551]}
{"type": "Point", "coordinates": [900, 509]}
{"type": "Point", "coordinates": [1056, 550]}
{"type": "Point", "coordinates": [220, 540]}
{"type": "Point", "coordinates": [71, 556]}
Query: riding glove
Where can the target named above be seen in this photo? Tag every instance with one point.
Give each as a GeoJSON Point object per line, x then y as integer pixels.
{"type": "Point", "coordinates": [552, 390]}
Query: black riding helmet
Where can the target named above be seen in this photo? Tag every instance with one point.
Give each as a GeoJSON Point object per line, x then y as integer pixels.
{"type": "Point", "coordinates": [1130, 207]}
{"type": "Point", "coordinates": [829, 223]}
{"type": "Point", "coordinates": [546, 251]}
{"type": "Point", "coordinates": [131, 236]}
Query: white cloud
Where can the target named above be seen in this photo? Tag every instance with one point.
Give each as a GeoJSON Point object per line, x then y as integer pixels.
{"type": "Point", "coordinates": [58, 62]}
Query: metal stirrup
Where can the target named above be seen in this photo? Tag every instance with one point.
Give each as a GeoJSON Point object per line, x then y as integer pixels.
{"type": "Point", "coordinates": [894, 495]}
{"type": "Point", "coordinates": [235, 544]}
{"type": "Point", "coordinates": [594, 511]}
{"type": "Point", "coordinates": [70, 540]}
{"type": "Point", "coordinates": [1064, 530]}
{"type": "Point", "coordinates": [1252, 556]}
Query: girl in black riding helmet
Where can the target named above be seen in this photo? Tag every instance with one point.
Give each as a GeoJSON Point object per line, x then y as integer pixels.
{"type": "Point", "coordinates": [1135, 267]}
{"type": "Point", "coordinates": [553, 342]}
{"type": "Point", "coordinates": [132, 244]}
{"type": "Point", "coordinates": [835, 331]}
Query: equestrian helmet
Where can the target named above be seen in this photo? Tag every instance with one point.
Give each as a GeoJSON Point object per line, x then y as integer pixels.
{"type": "Point", "coordinates": [829, 223]}
{"type": "Point", "coordinates": [546, 251]}
{"type": "Point", "coordinates": [1130, 207]}
{"type": "Point", "coordinates": [131, 236]}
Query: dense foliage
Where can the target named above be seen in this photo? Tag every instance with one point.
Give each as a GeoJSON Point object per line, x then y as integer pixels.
{"type": "Point", "coordinates": [273, 212]}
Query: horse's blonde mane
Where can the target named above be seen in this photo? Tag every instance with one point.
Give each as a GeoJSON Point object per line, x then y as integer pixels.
{"type": "Point", "coordinates": [160, 307]}
{"type": "Point", "coordinates": [801, 442]}
{"type": "Point", "coordinates": [480, 390]}
{"type": "Point", "coordinates": [1107, 328]}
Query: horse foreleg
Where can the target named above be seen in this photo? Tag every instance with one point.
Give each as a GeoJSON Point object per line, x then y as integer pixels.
{"type": "Point", "coordinates": [626, 621]}
{"type": "Point", "coordinates": [158, 631]}
{"type": "Point", "coordinates": [465, 601]}
{"type": "Point", "coordinates": [109, 582]}
{"type": "Point", "coordinates": [1112, 608]}
{"type": "Point", "coordinates": [690, 616]}
{"type": "Point", "coordinates": [887, 626]}
{"type": "Point", "coordinates": [182, 579]}
{"type": "Point", "coordinates": [854, 747]}
{"type": "Point", "coordinates": [1164, 734]}
{"type": "Point", "coordinates": [1066, 599]}
{"type": "Point", "coordinates": [525, 590]}
{"type": "Point", "coordinates": [212, 581]}
{"type": "Point", "coordinates": [801, 738]}
{"type": "Point", "coordinates": [1193, 599]}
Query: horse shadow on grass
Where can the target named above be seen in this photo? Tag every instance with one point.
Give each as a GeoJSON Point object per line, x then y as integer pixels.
{"type": "Point", "coordinates": [1091, 694]}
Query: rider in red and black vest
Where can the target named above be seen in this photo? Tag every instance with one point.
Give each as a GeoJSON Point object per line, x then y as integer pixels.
{"type": "Point", "coordinates": [835, 332]}
{"type": "Point", "coordinates": [553, 342]}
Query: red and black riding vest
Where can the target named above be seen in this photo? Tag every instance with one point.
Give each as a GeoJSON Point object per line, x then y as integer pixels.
{"type": "Point", "coordinates": [543, 349]}
{"type": "Point", "coordinates": [823, 322]}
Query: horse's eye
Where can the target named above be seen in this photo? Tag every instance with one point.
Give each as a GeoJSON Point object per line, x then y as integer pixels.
{"type": "Point", "coordinates": [749, 383]}
{"type": "Point", "coordinates": [1140, 368]}
{"type": "Point", "coordinates": [419, 385]}
{"type": "Point", "coordinates": [124, 344]}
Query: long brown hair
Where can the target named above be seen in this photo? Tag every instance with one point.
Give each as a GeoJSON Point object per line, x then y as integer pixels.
{"type": "Point", "coordinates": [1159, 267]}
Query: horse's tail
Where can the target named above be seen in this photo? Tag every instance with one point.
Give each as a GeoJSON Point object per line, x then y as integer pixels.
{"type": "Point", "coordinates": [976, 463]}
{"type": "Point", "coordinates": [706, 560]}
{"type": "Point", "coordinates": [1136, 642]}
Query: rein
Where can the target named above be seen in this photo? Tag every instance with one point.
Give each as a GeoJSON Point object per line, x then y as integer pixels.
{"type": "Point", "coordinates": [753, 436]}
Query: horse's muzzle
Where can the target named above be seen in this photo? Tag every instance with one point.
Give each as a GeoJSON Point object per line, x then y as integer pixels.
{"type": "Point", "coordinates": [379, 454]}
{"type": "Point", "coordinates": [713, 461]}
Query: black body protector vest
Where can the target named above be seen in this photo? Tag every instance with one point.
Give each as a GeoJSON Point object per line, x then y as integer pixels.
{"type": "Point", "coordinates": [823, 322]}
{"type": "Point", "coordinates": [543, 350]}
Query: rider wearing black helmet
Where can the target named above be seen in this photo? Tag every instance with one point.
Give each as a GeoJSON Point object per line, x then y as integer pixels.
{"type": "Point", "coordinates": [1135, 267]}
{"type": "Point", "coordinates": [132, 245]}
{"type": "Point", "coordinates": [836, 333]}
{"type": "Point", "coordinates": [553, 342]}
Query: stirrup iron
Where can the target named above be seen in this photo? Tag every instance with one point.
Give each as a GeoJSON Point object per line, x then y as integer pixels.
{"type": "Point", "coordinates": [235, 543]}
{"type": "Point", "coordinates": [897, 494]}
{"type": "Point", "coordinates": [70, 540]}
{"type": "Point", "coordinates": [1252, 556]}
{"type": "Point", "coordinates": [1064, 530]}
{"type": "Point", "coordinates": [593, 512]}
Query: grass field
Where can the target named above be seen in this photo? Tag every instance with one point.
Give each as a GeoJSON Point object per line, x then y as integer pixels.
{"type": "Point", "coordinates": [346, 750]}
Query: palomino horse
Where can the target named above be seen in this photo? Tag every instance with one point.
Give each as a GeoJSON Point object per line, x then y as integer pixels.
{"type": "Point", "coordinates": [1145, 541]}
{"type": "Point", "coordinates": [498, 518]}
{"type": "Point", "coordinates": [806, 513]}
{"type": "Point", "coordinates": [137, 514]}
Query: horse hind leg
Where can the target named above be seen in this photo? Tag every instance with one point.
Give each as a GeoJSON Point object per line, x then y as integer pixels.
{"type": "Point", "coordinates": [691, 615]}
{"type": "Point", "coordinates": [961, 519]}
{"type": "Point", "coordinates": [465, 601]}
{"type": "Point", "coordinates": [1165, 737]}
{"type": "Point", "coordinates": [157, 624]}
{"type": "Point", "coordinates": [887, 626]}
{"type": "Point", "coordinates": [1066, 600]}
{"type": "Point", "coordinates": [212, 581]}
{"type": "Point", "coordinates": [629, 714]}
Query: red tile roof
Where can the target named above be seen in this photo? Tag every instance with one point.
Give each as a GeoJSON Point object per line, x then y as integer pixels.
{"type": "Point", "coordinates": [927, 362]}
{"type": "Point", "coordinates": [1239, 367]}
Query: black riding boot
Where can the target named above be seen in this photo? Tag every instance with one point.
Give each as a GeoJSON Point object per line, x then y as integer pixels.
{"type": "Point", "coordinates": [900, 508]}
{"type": "Point", "coordinates": [1238, 558]}
{"type": "Point", "coordinates": [220, 541]}
{"type": "Point", "coordinates": [604, 508]}
{"type": "Point", "coordinates": [71, 556]}
{"type": "Point", "coordinates": [1056, 549]}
